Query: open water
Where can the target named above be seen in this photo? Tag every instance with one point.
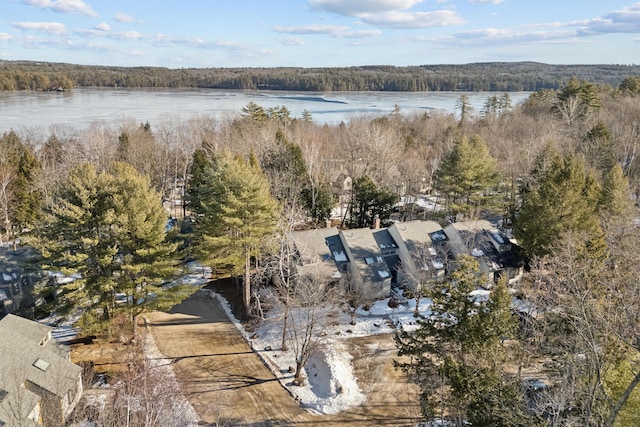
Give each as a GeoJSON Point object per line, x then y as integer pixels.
{"type": "Point", "coordinates": [82, 106]}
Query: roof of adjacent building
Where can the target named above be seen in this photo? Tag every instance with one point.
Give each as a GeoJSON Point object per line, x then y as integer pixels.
{"type": "Point", "coordinates": [28, 354]}
{"type": "Point", "coordinates": [316, 257]}
{"type": "Point", "coordinates": [417, 233]}
{"type": "Point", "coordinates": [365, 254]}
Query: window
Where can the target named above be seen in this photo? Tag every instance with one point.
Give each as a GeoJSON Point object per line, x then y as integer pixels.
{"type": "Point", "coordinates": [369, 260]}
{"type": "Point", "coordinates": [41, 364]}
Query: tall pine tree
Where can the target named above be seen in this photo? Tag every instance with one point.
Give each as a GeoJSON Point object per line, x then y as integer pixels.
{"type": "Point", "coordinates": [465, 174]}
{"type": "Point", "coordinates": [563, 197]}
{"type": "Point", "coordinates": [234, 215]}
{"type": "Point", "coordinates": [108, 229]}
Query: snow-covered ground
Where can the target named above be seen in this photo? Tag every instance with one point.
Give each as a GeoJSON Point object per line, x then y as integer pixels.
{"type": "Point", "coordinates": [330, 385]}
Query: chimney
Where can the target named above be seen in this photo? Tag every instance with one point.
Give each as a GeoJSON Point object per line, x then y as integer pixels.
{"type": "Point", "coordinates": [328, 223]}
{"type": "Point", "coordinates": [376, 222]}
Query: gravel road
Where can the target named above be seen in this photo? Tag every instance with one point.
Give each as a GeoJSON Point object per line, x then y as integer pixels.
{"type": "Point", "coordinates": [229, 385]}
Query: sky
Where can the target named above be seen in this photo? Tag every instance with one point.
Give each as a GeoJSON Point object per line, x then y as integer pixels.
{"type": "Point", "coordinates": [319, 33]}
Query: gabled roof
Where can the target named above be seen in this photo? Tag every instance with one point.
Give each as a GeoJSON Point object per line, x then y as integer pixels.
{"type": "Point", "coordinates": [364, 252]}
{"type": "Point", "coordinates": [416, 233]}
{"type": "Point", "coordinates": [29, 330]}
{"type": "Point", "coordinates": [316, 255]}
{"type": "Point", "coordinates": [28, 355]}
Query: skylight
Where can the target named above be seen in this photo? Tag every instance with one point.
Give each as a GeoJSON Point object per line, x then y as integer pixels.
{"type": "Point", "coordinates": [41, 364]}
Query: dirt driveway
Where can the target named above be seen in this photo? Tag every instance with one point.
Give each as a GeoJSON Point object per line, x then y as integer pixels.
{"type": "Point", "coordinates": [228, 384]}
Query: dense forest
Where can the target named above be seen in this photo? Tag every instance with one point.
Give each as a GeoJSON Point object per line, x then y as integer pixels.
{"type": "Point", "coordinates": [562, 171]}
{"type": "Point", "coordinates": [493, 76]}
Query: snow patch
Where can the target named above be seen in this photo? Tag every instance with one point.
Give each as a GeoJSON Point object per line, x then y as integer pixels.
{"type": "Point", "coordinates": [339, 256]}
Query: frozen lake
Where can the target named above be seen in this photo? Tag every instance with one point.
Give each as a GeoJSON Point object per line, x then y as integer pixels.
{"type": "Point", "coordinates": [82, 107]}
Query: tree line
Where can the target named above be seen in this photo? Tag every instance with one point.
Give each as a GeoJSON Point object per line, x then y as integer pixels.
{"type": "Point", "coordinates": [497, 76]}
{"type": "Point", "coordinates": [561, 170]}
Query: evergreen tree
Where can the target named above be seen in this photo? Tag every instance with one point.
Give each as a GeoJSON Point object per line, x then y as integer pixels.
{"type": "Point", "coordinates": [201, 175]}
{"type": "Point", "coordinates": [465, 174]}
{"type": "Point", "coordinates": [563, 197]}
{"type": "Point", "coordinates": [598, 149]}
{"type": "Point", "coordinates": [254, 112]}
{"type": "Point", "coordinates": [466, 109]}
{"type": "Point", "coordinates": [318, 201]}
{"type": "Point", "coordinates": [238, 215]}
{"type": "Point", "coordinates": [457, 354]}
{"type": "Point", "coordinates": [575, 100]}
{"type": "Point", "coordinates": [630, 85]}
{"type": "Point", "coordinates": [615, 194]}
{"type": "Point", "coordinates": [280, 114]}
{"type": "Point", "coordinates": [29, 200]}
{"type": "Point", "coordinates": [306, 116]}
{"type": "Point", "coordinates": [370, 202]}
{"type": "Point", "coordinates": [21, 199]}
{"type": "Point", "coordinates": [108, 230]}
{"type": "Point", "coordinates": [286, 169]}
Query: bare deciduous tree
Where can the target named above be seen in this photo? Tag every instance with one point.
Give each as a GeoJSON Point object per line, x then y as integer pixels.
{"type": "Point", "coordinates": [311, 309]}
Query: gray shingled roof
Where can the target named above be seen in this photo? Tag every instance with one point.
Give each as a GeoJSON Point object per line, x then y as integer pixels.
{"type": "Point", "coordinates": [416, 233]}
{"type": "Point", "coordinates": [23, 343]}
{"type": "Point", "coordinates": [366, 254]}
{"type": "Point", "coordinates": [315, 254]}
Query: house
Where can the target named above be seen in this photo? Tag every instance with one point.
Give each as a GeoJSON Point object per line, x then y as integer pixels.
{"type": "Point", "coordinates": [314, 255]}
{"type": "Point", "coordinates": [422, 245]}
{"type": "Point", "coordinates": [16, 284]}
{"type": "Point", "coordinates": [37, 378]}
{"type": "Point", "coordinates": [496, 254]}
{"type": "Point", "coordinates": [379, 259]}
{"type": "Point", "coordinates": [357, 254]}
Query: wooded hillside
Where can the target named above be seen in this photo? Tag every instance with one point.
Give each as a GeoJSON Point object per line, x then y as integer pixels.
{"type": "Point", "coordinates": [493, 76]}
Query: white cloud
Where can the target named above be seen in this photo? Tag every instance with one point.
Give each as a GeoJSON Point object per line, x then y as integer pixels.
{"type": "Point", "coordinates": [103, 30]}
{"type": "Point", "coordinates": [292, 41]}
{"type": "Point", "coordinates": [359, 34]}
{"type": "Point", "coordinates": [358, 7]}
{"type": "Point", "coordinates": [311, 29]}
{"type": "Point", "coordinates": [497, 36]}
{"type": "Point", "coordinates": [63, 6]}
{"type": "Point", "coordinates": [389, 13]}
{"type": "Point", "coordinates": [5, 37]}
{"type": "Point", "coordinates": [625, 20]}
{"type": "Point", "coordinates": [102, 27]}
{"type": "Point", "coordinates": [123, 18]}
{"type": "Point", "coordinates": [127, 35]}
{"type": "Point", "coordinates": [438, 18]}
{"type": "Point", "coordinates": [31, 42]}
{"type": "Point", "coordinates": [233, 48]}
{"type": "Point", "coordinates": [54, 28]}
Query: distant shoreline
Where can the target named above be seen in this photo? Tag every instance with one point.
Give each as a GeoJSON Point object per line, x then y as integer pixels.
{"type": "Point", "coordinates": [474, 77]}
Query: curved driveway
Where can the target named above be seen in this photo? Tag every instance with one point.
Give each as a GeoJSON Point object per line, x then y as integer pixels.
{"type": "Point", "coordinates": [228, 384]}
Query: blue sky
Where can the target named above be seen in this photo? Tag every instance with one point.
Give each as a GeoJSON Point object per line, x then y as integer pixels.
{"type": "Point", "coordinates": [319, 33]}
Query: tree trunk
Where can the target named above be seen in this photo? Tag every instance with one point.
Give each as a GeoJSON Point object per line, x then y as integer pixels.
{"type": "Point", "coordinates": [246, 286]}
{"type": "Point", "coordinates": [297, 375]}
{"type": "Point", "coordinates": [284, 328]}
